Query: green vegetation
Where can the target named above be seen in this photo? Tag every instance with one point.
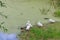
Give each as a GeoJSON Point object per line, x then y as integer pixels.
{"type": "Point", "coordinates": [44, 11]}
{"type": "Point", "coordinates": [3, 15]}
{"type": "Point", "coordinates": [57, 13]}
{"type": "Point", "coordinates": [1, 24]}
{"type": "Point", "coordinates": [55, 3]}
{"type": "Point", "coordinates": [58, 3]}
{"type": "Point", "coordinates": [3, 27]}
{"type": "Point", "coordinates": [2, 4]}
{"type": "Point", "coordinates": [50, 31]}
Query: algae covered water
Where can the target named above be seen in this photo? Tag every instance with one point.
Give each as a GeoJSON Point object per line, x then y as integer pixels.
{"type": "Point", "coordinates": [19, 11]}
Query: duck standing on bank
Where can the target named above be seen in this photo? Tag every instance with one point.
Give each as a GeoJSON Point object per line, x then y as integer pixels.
{"type": "Point", "coordinates": [51, 21]}
{"type": "Point", "coordinates": [39, 24]}
{"type": "Point", "coordinates": [28, 25]}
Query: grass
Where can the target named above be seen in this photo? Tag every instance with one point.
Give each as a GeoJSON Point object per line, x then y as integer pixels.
{"type": "Point", "coordinates": [44, 11]}
{"type": "Point", "coordinates": [50, 31]}
{"type": "Point", "coordinates": [57, 13]}
{"type": "Point", "coordinates": [2, 4]}
{"type": "Point", "coordinates": [3, 15]}
{"type": "Point", "coordinates": [3, 27]}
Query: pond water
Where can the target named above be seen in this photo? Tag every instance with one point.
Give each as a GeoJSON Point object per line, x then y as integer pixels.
{"type": "Point", "coordinates": [19, 11]}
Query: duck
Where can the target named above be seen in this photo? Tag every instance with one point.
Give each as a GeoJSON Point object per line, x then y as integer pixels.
{"type": "Point", "coordinates": [28, 25]}
{"type": "Point", "coordinates": [39, 24]}
{"type": "Point", "coordinates": [51, 20]}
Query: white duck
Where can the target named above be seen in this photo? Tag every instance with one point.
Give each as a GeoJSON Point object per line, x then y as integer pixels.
{"type": "Point", "coordinates": [39, 24]}
{"type": "Point", "coordinates": [51, 21]}
{"type": "Point", "coordinates": [28, 25]}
